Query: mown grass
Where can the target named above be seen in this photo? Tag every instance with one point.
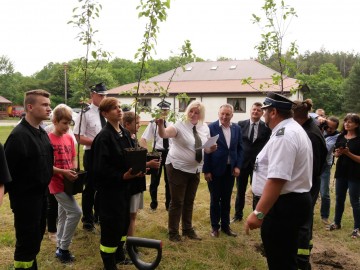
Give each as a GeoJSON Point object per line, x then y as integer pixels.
{"type": "Point", "coordinates": [222, 253]}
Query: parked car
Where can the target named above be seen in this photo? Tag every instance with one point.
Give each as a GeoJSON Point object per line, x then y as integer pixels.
{"type": "Point", "coordinates": [15, 110]}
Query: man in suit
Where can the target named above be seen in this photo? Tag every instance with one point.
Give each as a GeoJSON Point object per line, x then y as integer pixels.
{"type": "Point", "coordinates": [221, 167]}
{"type": "Point", "coordinates": [255, 134]}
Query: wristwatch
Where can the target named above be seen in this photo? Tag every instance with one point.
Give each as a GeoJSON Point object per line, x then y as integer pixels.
{"type": "Point", "coordinates": [259, 215]}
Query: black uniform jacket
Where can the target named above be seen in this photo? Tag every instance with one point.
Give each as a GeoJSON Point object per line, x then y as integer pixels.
{"type": "Point", "coordinates": [30, 160]}
{"type": "Point", "coordinates": [108, 160]}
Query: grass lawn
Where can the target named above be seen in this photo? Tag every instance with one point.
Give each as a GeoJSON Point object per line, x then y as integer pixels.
{"type": "Point", "coordinates": [221, 253]}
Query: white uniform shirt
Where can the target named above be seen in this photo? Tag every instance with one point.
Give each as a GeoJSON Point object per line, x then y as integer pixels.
{"type": "Point", "coordinates": [149, 134]}
{"type": "Point", "coordinates": [182, 151]}
{"type": "Point", "coordinates": [91, 124]}
{"type": "Point", "coordinates": [287, 155]}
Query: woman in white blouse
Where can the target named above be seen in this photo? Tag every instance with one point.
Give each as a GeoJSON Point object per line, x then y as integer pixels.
{"type": "Point", "coordinates": [183, 165]}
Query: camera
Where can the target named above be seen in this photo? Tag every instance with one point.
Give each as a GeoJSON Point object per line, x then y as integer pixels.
{"type": "Point", "coordinates": [340, 145]}
{"type": "Point", "coordinates": [324, 125]}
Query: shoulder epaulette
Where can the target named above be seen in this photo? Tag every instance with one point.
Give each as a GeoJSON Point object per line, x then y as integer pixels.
{"type": "Point", "coordinates": [152, 121]}
{"type": "Point", "coordinates": [280, 132]}
{"type": "Point", "coordinates": [86, 109]}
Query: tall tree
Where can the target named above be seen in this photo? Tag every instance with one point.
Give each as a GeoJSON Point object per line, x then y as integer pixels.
{"type": "Point", "coordinates": [83, 18]}
{"type": "Point", "coordinates": [352, 90]}
{"type": "Point", "coordinates": [325, 88]}
{"type": "Point", "coordinates": [278, 17]}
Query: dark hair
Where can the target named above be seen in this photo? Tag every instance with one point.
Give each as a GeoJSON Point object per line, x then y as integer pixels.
{"type": "Point", "coordinates": [283, 113]}
{"type": "Point", "coordinates": [302, 108]}
{"type": "Point", "coordinates": [30, 96]}
{"type": "Point", "coordinates": [129, 117]}
{"type": "Point", "coordinates": [334, 119]}
{"type": "Point", "coordinates": [257, 104]}
{"type": "Point", "coordinates": [353, 117]}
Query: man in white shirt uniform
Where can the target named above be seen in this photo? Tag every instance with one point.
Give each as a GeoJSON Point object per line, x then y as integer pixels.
{"type": "Point", "coordinates": [282, 179]}
{"type": "Point", "coordinates": [91, 124]}
{"type": "Point", "coordinates": [160, 145]}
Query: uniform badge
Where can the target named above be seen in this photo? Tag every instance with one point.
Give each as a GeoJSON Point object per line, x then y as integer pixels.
{"type": "Point", "coordinates": [280, 132]}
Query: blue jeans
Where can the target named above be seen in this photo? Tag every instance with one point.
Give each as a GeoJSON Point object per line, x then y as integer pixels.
{"type": "Point", "coordinates": [325, 192]}
{"type": "Point", "coordinates": [342, 185]}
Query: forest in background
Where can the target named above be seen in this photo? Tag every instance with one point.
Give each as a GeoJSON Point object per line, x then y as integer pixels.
{"type": "Point", "coordinates": [333, 78]}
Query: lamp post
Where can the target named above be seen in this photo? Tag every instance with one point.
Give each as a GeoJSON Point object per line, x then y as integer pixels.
{"type": "Point", "coordinates": [65, 80]}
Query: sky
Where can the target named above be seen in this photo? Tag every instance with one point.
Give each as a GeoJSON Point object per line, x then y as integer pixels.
{"type": "Point", "coordinates": [35, 32]}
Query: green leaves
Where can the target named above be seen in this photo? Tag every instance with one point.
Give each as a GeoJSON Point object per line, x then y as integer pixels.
{"type": "Point", "coordinates": [278, 19]}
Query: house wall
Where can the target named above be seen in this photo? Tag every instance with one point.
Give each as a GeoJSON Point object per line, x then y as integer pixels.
{"type": "Point", "coordinates": [212, 105]}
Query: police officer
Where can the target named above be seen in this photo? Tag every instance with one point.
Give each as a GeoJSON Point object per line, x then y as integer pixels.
{"type": "Point", "coordinates": [282, 179]}
{"type": "Point", "coordinates": [91, 124]}
{"type": "Point", "coordinates": [161, 145]}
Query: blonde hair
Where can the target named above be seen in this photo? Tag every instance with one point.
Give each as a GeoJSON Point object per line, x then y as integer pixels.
{"type": "Point", "coordinates": [195, 104]}
{"type": "Point", "coordinates": [60, 112]}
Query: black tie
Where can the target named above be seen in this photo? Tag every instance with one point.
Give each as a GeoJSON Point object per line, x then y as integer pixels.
{"type": "Point", "coordinates": [102, 120]}
{"type": "Point", "coordinates": [251, 138]}
{"type": "Point", "coordinates": [165, 141]}
{"type": "Point", "coordinates": [198, 144]}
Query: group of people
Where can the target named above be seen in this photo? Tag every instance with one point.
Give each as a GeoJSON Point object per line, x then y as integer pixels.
{"type": "Point", "coordinates": [287, 157]}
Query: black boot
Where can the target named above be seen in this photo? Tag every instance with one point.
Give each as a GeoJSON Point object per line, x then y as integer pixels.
{"type": "Point", "coordinates": [120, 256]}
{"type": "Point", "coordinates": [108, 260]}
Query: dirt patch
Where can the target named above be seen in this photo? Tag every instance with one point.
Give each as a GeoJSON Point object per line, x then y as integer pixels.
{"type": "Point", "coordinates": [325, 258]}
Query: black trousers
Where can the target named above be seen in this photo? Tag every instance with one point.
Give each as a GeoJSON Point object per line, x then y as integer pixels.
{"type": "Point", "coordinates": [30, 224]}
{"type": "Point", "coordinates": [52, 213]}
{"type": "Point", "coordinates": [114, 214]}
{"type": "Point", "coordinates": [280, 230]}
{"type": "Point", "coordinates": [155, 181]}
{"type": "Point", "coordinates": [88, 199]}
{"type": "Point", "coordinates": [241, 185]}
{"type": "Point", "coordinates": [306, 231]}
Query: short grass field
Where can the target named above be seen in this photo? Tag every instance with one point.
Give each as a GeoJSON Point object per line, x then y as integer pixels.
{"type": "Point", "coordinates": [224, 252]}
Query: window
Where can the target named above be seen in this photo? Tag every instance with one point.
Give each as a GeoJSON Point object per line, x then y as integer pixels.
{"type": "Point", "coordinates": [239, 104]}
{"type": "Point", "coordinates": [232, 67]}
{"type": "Point", "coordinates": [145, 104]}
{"type": "Point", "coordinates": [188, 68]}
{"type": "Point", "coordinates": [183, 104]}
{"type": "Point", "coordinates": [213, 68]}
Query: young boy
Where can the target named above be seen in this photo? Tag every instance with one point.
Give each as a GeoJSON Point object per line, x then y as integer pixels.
{"type": "Point", "coordinates": [69, 212]}
{"type": "Point", "coordinates": [137, 186]}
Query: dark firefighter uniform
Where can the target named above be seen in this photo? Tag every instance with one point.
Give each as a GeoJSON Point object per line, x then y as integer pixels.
{"type": "Point", "coordinates": [30, 159]}
{"type": "Point", "coordinates": [108, 164]}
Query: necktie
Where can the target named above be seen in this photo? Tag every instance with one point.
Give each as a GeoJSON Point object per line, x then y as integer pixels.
{"type": "Point", "coordinates": [102, 120]}
{"type": "Point", "coordinates": [251, 138]}
{"type": "Point", "coordinates": [198, 143]}
{"type": "Point", "coordinates": [165, 141]}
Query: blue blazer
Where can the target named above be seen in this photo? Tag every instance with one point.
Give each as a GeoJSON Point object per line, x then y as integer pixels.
{"type": "Point", "coordinates": [216, 162]}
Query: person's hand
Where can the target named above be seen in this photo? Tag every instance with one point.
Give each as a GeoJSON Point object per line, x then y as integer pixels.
{"type": "Point", "coordinates": [252, 222]}
{"type": "Point", "coordinates": [70, 174]}
{"type": "Point", "coordinates": [128, 175]}
{"type": "Point", "coordinates": [159, 122]}
{"type": "Point", "coordinates": [208, 177]}
{"type": "Point", "coordinates": [341, 151]}
{"type": "Point", "coordinates": [213, 148]}
{"type": "Point", "coordinates": [210, 149]}
{"type": "Point", "coordinates": [236, 172]}
{"type": "Point", "coordinates": [154, 163]}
